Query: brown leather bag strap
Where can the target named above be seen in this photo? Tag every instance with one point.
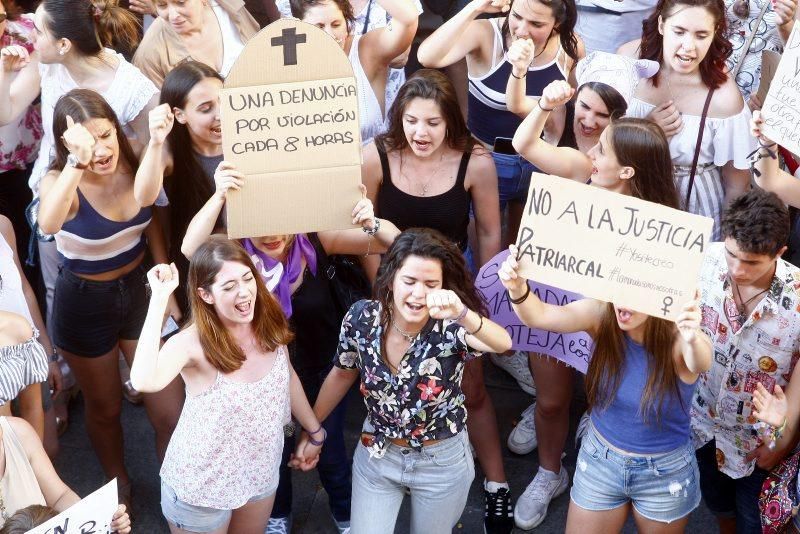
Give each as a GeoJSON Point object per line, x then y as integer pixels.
{"type": "Point", "coordinates": [697, 148]}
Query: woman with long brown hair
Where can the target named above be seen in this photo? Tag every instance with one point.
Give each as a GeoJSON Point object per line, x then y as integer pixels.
{"type": "Point", "coordinates": [637, 452]}
{"type": "Point", "coordinates": [696, 102]}
{"type": "Point", "coordinates": [220, 472]}
{"type": "Point", "coordinates": [100, 300]}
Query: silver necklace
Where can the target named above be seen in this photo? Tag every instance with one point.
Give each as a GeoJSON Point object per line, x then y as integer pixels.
{"type": "Point", "coordinates": [427, 184]}
{"type": "Point", "coordinates": [409, 336]}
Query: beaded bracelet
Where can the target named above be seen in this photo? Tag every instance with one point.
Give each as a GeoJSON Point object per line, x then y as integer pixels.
{"type": "Point", "coordinates": [757, 155]}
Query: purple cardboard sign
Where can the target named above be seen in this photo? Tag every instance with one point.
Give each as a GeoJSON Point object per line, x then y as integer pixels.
{"type": "Point", "coordinates": [572, 349]}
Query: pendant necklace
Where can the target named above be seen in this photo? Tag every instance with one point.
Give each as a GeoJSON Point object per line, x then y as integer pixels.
{"type": "Point", "coordinates": [742, 308]}
{"type": "Point", "coordinates": [409, 336]}
{"type": "Point", "coordinates": [427, 184]}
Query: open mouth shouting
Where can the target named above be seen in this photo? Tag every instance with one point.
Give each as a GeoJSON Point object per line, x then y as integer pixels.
{"type": "Point", "coordinates": [102, 164]}
{"type": "Point", "coordinates": [244, 308]}
{"type": "Point", "coordinates": [624, 315]}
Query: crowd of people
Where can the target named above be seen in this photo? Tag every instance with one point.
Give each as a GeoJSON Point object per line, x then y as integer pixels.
{"type": "Point", "coordinates": [117, 279]}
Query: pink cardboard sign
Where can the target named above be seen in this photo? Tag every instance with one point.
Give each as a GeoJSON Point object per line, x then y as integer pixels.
{"type": "Point", "coordinates": [572, 349]}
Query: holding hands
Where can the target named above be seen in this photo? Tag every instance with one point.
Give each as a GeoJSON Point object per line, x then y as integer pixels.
{"type": "Point", "coordinates": [556, 94]}
{"type": "Point", "coordinates": [79, 141]}
{"type": "Point", "coordinates": [306, 455]}
{"type": "Point", "coordinates": [14, 58]}
{"type": "Point", "coordinates": [161, 120]}
{"type": "Point", "coordinates": [668, 117]}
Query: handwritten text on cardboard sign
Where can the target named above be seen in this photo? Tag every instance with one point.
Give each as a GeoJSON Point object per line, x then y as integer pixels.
{"type": "Point", "coordinates": [611, 247]}
{"type": "Point", "coordinates": [782, 107]}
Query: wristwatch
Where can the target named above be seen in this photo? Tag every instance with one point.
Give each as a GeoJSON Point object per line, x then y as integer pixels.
{"type": "Point", "coordinates": [73, 161]}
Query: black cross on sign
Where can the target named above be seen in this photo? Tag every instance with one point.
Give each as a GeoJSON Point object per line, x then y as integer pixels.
{"type": "Point", "coordinates": [289, 40]}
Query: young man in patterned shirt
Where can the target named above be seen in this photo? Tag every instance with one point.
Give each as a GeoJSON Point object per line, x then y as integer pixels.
{"type": "Point", "coordinates": [750, 299]}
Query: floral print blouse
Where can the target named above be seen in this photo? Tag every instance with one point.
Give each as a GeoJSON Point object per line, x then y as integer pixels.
{"type": "Point", "coordinates": [19, 140]}
{"type": "Point", "coordinates": [423, 400]}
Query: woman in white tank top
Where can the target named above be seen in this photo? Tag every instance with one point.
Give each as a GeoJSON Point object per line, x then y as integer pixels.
{"type": "Point", "coordinates": [220, 472]}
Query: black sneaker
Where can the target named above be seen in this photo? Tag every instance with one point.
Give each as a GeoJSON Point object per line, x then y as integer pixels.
{"type": "Point", "coordinates": [498, 517]}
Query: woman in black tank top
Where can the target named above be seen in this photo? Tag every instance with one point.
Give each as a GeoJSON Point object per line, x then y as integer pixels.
{"type": "Point", "coordinates": [426, 170]}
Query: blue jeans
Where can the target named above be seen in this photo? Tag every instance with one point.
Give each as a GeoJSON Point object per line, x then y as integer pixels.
{"type": "Point", "coordinates": [728, 497]}
{"type": "Point", "coordinates": [438, 477]}
{"type": "Point", "coordinates": [513, 177]}
{"type": "Point", "coordinates": [333, 466]}
{"type": "Point", "coordinates": [662, 487]}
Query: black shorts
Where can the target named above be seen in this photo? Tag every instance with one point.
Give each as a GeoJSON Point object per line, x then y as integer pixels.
{"type": "Point", "coordinates": [90, 317]}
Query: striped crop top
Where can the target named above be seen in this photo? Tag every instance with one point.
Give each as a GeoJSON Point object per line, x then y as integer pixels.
{"type": "Point", "coordinates": [488, 116]}
{"type": "Point", "coordinates": [92, 244]}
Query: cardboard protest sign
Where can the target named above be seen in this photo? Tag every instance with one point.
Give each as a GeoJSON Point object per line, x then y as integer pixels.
{"type": "Point", "coordinates": [572, 349]}
{"type": "Point", "coordinates": [91, 514]}
{"type": "Point", "coordinates": [290, 124]}
{"type": "Point", "coordinates": [611, 247]}
{"type": "Point", "coordinates": [769, 64]}
{"type": "Point", "coordinates": [781, 109]}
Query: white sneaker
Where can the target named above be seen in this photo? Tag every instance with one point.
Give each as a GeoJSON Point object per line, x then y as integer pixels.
{"type": "Point", "coordinates": [517, 366]}
{"type": "Point", "coordinates": [522, 438]}
{"type": "Point", "coordinates": [279, 525]}
{"type": "Point", "coordinates": [531, 508]}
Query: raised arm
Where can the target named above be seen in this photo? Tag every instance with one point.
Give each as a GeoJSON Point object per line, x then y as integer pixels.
{"type": "Point", "coordinates": [19, 82]}
{"type": "Point", "coordinates": [785, 14]}
{"type": "Point", "coordinates": [141, 126]}
{"type": "Point", "coordinates": [483, 334]}
{"type": "Point", "coordinates": [520, 55]}
{"type": "Point", "coordinates": [768, 175]}
{"type": "Point", "coordinates": [202, 225]}
{"type": "Point", "coordinates": [460, 36]}
{"type": "Point", "coordinates": [582, 315]}
{"type": "Point", "coordinates": [156, 157]}
{"type": "Point", "coordinates": [559, 161]}
{"type": "Point", "coordinates": [58, 193]}
{"type": "Point", "coordinates": [153, 370]}
{"type": "Point", "coordinates": [383, 45]}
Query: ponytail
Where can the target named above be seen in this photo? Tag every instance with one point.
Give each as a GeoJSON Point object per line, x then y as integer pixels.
{"type": "Point", "coordinates": [92, 25]}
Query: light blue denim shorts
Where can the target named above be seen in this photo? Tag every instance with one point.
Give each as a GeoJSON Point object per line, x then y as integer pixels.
{"type": "Point", "coordinates": [196, 518]}
{"type": "Point", "coordinates": [662, 487]}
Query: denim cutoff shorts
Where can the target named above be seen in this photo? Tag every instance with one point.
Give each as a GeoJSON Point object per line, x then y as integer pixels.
{"type": "Point", "coordinates": [196, 518]}
{"type": "Point", "coordinates": [662, 487]}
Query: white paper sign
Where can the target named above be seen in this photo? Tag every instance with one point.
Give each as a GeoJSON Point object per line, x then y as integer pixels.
{"type": "Point", "coordinates": [781, 110]}
{"type": "Point", "coordinates": [92, 515]}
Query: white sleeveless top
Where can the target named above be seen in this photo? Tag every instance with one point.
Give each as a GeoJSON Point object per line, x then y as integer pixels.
{"type": "Point", "coordinates": [18, 484]}
{"type": "Point", "coordinates": [128, 94]}
{"type": "Point", "coordinates": [228, 443]}
{"type": "Point", "coordinates": [12, 299]}
{"type": "Point", "coordinates": [370, 118]}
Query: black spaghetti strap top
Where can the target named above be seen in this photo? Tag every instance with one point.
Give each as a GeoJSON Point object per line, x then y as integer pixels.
{"type": "Point", "coordinates": [447, 212]}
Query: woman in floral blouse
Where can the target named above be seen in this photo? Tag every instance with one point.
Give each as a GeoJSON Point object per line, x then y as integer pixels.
{"type": "Point", "coordinates": [409, 347]}
{"type": "Point", "coordinates": [19, 140]}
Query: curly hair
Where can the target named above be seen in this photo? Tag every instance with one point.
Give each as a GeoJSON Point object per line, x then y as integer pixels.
{"type": "Point", "coordinates": [712, 67]}
{"type": "Point", "coordinates": [429, 244]}
{"type": "Point", "coordinates": [758, 221]}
